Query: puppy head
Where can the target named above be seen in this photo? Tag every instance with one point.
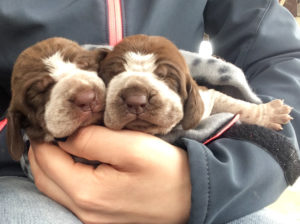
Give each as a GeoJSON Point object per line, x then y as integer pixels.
{"type": "Point", "coordinates": [55, 90]}
{"type": "Point", "coordinates": [149, 87]}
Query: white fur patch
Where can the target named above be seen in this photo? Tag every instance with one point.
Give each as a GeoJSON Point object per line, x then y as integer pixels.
{"type": "Point", "coordinates": [137, 62]}
{"type": "Point", "coordinates": [59, 68]}
{"type": "Point", "coordinates": [208, 102]}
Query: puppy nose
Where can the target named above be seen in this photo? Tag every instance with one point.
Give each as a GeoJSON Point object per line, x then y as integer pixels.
{"type": "Point", "coordinates": [86, 100]}
{"type": "Point", "coordinates": [136, 103]}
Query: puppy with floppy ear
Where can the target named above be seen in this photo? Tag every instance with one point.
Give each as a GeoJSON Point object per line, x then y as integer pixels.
{"type": "Point", "coordinates": [55, 90]}
{"type": "Point", "coordinates": [150, 89]}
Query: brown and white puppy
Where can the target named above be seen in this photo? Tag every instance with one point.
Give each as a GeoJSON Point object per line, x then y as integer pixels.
{"type": "Point", "coordinates": [55, 90]}
{"type": "Point", "coordinates": [150, 89]}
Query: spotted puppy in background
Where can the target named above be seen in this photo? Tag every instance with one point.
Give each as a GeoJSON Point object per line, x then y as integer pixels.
{"type": "Point", "coordinates": [55, 90]}
{"type": "Point", "coordinates": [150, 89]}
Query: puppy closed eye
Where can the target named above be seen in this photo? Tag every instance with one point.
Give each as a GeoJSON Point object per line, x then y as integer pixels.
{"type": "Point", "coordinates": [169, 76]}
{"type": "Point", "coordinates": [38, 91]}
{"type": "Point", "coordinates": [173, 82]}
{"type": "Point", "coordinates": [108, 71]}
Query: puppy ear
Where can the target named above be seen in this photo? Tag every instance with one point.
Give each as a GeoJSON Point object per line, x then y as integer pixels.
{"type": "Point", "coordinates": [193, 107]}
{"type": "Point", "coordinates": [90, 60]}
{"type": "Point", "coordinates": [101, 53]}
{"type": "Point", "coordinates": [14, 136]}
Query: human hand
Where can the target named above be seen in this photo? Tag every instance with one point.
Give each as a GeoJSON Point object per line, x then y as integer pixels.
{"type": "Point", "coordinates": [142, 179]}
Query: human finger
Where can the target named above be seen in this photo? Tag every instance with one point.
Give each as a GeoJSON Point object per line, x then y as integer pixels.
{"type": "Point", "coordinates": [46, 185]}
{"type": "Point", "coordinates": [87, 214]}
{"type": "Point", "coordinates": [59, 166]}
{"type": "Point", "coordinates": [117, 148]}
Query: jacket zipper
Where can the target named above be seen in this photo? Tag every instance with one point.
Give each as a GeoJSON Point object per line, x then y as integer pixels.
{"type": "Point", "coordinates": [115, 23]}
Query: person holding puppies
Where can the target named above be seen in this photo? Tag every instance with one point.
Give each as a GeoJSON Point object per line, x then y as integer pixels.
{"type": "Point", "coordinates": [143, 179]}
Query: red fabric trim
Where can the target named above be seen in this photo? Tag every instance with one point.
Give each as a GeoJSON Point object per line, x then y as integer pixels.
{"type": "Point", "coordinates": [225, 128]}
{"type": "Point", "coordinates": [3, 123]}
{"type": "Point", "coordinates": [115, 23]}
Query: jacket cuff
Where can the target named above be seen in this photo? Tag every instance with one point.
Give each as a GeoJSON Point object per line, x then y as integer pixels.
{"type": "Point", "coordinates": [230, 179]}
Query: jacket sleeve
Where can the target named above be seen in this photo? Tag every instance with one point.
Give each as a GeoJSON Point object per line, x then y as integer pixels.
{"type": "Point", "coordinates": [232, 178]}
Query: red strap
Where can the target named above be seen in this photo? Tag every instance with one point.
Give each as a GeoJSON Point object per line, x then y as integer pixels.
{"type": "Point", "coordinates": [115, 23]}
{"type": "Point", "coordinates": [3, 123]}
{"type": "Point", "coordinates": [227, 126]}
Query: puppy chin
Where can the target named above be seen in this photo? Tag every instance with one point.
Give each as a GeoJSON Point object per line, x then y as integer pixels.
{"type": "Point", "coordinates": [131, 122]}
{"type": "Point", "coordinates": [65, 128]}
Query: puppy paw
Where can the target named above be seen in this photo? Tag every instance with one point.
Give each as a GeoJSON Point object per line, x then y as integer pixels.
{"type": "Point", "coordinates": [275, 114]}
